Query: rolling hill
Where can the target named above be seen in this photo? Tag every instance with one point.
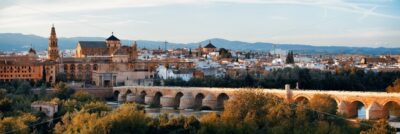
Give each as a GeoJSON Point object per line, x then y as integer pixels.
{"type": "Point", "coordinates": [21, 42]}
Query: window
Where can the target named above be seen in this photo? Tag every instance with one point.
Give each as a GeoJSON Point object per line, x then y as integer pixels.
{"type": "Point", "coordinates": [95, 67]}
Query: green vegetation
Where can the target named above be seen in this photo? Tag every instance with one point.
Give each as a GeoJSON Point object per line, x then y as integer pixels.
{"type": "Point", "coordinates": [223, 53]}
{"type": "Point", "coordinates": [343, 79]}
{"type": "Point", "coordinates": [290, 58]}
{"type": "Point", "coordinates": [395, 87]}
{"type": "Point", "coordinates": [250, 112]}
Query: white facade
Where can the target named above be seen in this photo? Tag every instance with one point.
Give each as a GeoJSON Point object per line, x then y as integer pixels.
{"type": "Point", "coordinates": [165, 73]}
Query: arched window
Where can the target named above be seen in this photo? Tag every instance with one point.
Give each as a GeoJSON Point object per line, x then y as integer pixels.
{"type": "Point", "coordinates": [72, 67]}
{"type": "Point", "coordinates": [80, 67]}
{"type": "Point", "coordinates": [95, 67]}
{"type": "Point", "coordinates": [87, 67]}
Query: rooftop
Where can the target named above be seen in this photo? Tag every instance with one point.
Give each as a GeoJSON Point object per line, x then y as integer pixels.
{"type": "Point", "coordinates": [92, 44]}
{"type": "Point", "coordinates": [113, 38]}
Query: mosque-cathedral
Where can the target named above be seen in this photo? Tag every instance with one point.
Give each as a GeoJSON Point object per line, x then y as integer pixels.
{"type": "Point", "coordinates": [100, 63]}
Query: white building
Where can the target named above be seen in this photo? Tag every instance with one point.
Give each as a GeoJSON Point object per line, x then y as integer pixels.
{"type": "Point", "coordinates": [278, 61]}
{"type": "Point", "coordinates": [46, 107]}
{"type": "Point", "coordinates": [184, 74]}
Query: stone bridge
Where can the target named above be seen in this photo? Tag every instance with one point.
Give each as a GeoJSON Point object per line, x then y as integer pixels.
{"type": "Point", "coordinates": [376, 103]}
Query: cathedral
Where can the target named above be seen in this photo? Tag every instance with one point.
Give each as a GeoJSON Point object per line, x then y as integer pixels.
{"type": "Point", "coordinates": [99, 63]}
{"type": "Point", "coordinates": [111, 47]}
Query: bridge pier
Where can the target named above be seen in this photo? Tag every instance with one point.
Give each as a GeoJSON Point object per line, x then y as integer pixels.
{"type": "Point", "coordinates": [130, 97]}
{"type": "Point", "coordinates": [140, 98]}
{"type": "Point", "coordinates": [345, 109]}
{"type": "Point", "coordinates": [167, 101]}
{"type": "Point", "coordinates": [148, 99]}
{"type": "Point", "coordinates": [121, 97]}
{"type": "Point", "coordinates": [187, 101]}
{"type": "Point", "coordinates": [210, 101]}
{"type": "Point", "coordinates": [375, 112]}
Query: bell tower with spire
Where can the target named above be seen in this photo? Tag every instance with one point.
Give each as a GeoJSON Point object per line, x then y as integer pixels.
{"type": "Point", "coordinates": [52, 51]}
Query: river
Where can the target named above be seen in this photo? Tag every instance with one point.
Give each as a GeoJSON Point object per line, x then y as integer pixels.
{"type": "Point", "coordinates": [155, 112]}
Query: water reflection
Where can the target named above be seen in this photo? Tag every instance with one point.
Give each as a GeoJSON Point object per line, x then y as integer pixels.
{"type": "Point", "coordinates": [155, 112]}
{"type": "Point", "coordinates": [361, 113]}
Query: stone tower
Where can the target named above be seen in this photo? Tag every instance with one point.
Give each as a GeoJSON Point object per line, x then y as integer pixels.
{"type": "Point", "coordinates": [53, 47]}
{"type": "Point", "coordinates": [134, 52]}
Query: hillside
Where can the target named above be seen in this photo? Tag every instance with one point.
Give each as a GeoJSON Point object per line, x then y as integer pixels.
{"type": "Point", "coordinates": [21, 42]}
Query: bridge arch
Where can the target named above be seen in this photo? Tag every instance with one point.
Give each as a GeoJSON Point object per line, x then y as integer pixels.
{"type": "Point", "coordinates": [156, 98]}
{"type": "Point", "coordinates": [128, 91]}
{"type": "Point", "coordinates": [221, 98]}
{"type": "Point", "coordinates": [116, 94]}
{"type": "Point", "coordinates": [358, 109]}
{"type": "Point", "coordinates": [198, 101]}
{"type": "Point", "coordinates": [141, 97]}
{"type": "Point", "coordinates": [391, 109]}
{"type": "Point", "coordinates": [177, 99]}
{"type": "Point", "coordinates": [302, 98]}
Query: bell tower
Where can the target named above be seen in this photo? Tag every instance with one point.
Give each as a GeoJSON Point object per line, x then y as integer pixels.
{"type": "Point", "coordinates": [134, 51]}
{"type": "Point", "coordinates": [52, 51]}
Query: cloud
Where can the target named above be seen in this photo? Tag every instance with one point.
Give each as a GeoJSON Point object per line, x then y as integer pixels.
{"type": "Point", "coordinates": [57, 6]}
{"type": "Point", "coordinates": [27, 14]}
{"type": "Point", "coordinates": [86, 5]}
{"type": "Point", "coordinates": [279, 18]}
{"type": "Point", "coordinates": [374, 36]}
{"type": "Point", "coordinates": [338, 5]}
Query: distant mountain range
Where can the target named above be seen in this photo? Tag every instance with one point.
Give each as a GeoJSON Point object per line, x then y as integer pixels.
{"type": "Point", "coordinates": [21, 42]}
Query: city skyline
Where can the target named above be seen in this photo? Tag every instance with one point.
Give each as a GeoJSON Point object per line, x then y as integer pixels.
{"type": "Point", "coordinates": [335, 22]}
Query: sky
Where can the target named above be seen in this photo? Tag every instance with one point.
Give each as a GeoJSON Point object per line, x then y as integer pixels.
{"type": "Point", "coordinates": [359, 23]}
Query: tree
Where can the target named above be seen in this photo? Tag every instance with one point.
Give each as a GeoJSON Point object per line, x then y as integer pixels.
{"type": "Point", "coordinates": [127, 118]}
{"type": "Point", "coordinates": [62, 91]}
{"type": "Point", "coordinates": [249, 80]}
{"type": "Point", "coordinates": [394, 87]}
{"type": "Point", "coordinates": [83, 96]}
{"type": "Point", "coordinates": [248, 104]}
{"type": "Point", "coordinates": [380, 127]}
{"type": "Point", "coordinates": [247, 55]}
{"type": "Point", "coordinates": [42, 92]}
{"type": "Point", "coordinates": [223, 53]}
{"type": "Point", "coordinates": [322, 105]}
{"type": "Point", "coordinates": [24, 88]}
{"type": "Point", "coordinates": [61, 77]}
{"type": "Point", "coordinates": [290, 58]}
{"type": "Point", "coordinates": [190, 52]}
{"type": "Point", "coordinates": [3, 93]}
{"type": "Point", "coordinates": [5, 105]}
{"type": "Point", "coordinates": [79, 122]}
{"type": "Point", "coordinates": [17, 124]}
{"type": "Point", "coordinates": [96, 107]}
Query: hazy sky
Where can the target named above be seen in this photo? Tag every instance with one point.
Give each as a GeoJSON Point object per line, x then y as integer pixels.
{"type": "Point", "coordinates": [371, 23]}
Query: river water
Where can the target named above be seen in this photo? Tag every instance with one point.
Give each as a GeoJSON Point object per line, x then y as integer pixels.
{"type": "Point", "coordinates": [393, 121]}
{"type": "Point", "coordinates": [155, 112]}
